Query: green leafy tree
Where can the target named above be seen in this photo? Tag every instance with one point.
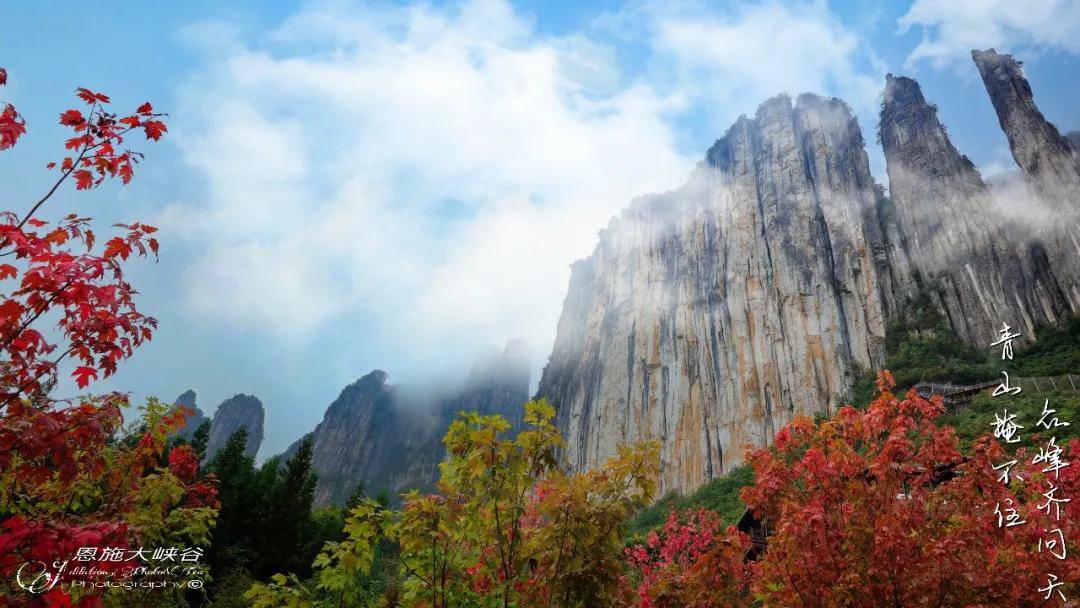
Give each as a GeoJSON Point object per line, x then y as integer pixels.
{"type": "Point", "coordinates": [505, 527]}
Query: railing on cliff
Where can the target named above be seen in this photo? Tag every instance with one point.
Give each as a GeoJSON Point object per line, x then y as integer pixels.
{"type": "Point", "coordinates": [957, 396]}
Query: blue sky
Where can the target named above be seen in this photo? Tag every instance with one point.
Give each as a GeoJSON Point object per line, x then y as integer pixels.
{"type": "Point", "coordinates": [349, 186]}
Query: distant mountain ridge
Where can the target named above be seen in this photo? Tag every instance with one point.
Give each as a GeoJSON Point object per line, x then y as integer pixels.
{"type": "Point", "coordinates": [391, 439]}
{"type": "Point", "coordinates": [236, 412]}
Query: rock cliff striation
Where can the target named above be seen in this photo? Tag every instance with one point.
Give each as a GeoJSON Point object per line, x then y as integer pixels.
{"type": "Point", "coordinates": [1048, 160]}
{"type": "Point", "coordinates": [978, 267]}
{"type": "Point", "coordinates": [707, 317]}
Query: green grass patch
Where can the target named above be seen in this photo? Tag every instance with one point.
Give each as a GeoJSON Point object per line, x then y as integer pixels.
{"type": "Point", "coordinates": [720, 495]}
{"type": "Point", "coordinates": [978, 419]}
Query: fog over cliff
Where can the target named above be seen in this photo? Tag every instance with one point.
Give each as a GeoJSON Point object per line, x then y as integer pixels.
{"type": "Point", "coordinates": [708, 316]}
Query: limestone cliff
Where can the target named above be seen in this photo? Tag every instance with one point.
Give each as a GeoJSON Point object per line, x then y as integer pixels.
{"type": "Point", "coordinates": [708, 316]}
{"type": "Point", "coordinates": [1074, 140]}
{"type": "Point", "coordinates": [979, 269]}
{"type": "Point", "coordinates": [355, 439]}
{"type": "Point", "coordinates": [1049, 161]}
{"type": "Point", "coordinates": [195, 419]}
{"type": "Point", "coordinates": [236, 412]}
{"type": "Point", "coordinates": [1042, 153]}
{"type": "Point", "coordinates": [390, 438]}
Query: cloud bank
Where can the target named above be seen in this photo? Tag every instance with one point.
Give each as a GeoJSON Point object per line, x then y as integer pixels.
{"type": "Point", "coordinates": [437, 169]}
{"type": "Point", "coordinates": [754, 51]}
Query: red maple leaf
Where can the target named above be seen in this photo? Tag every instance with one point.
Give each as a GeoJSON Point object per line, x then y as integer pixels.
{"type": "Point", "coordinates": [83, 374]}
{"type": "Point", "coordinates": [91, 97]}
{"type": "Point", "coordinates": [83, 179]}
{"type": "Point", "coordinates": [71, 118]}
{"type": "Point", "coordinates": [154, 129]}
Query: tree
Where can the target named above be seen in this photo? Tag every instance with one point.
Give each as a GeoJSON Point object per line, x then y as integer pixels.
{"type": "Point", "coordinates": [879, 507]}
{"type": "Point", "coordinates": [356, 496]}
{"type": "Point", "coordinates": [690, 562]}
{"type": "Point", "coordinates": [286, 516]}
{"type": "Point", "coordinates": [200, 438]}
{"type": "Point", "coordinates": [505, 527]}
{"type": "Point", "coordinates": [235, 474]}
{"type": "Point", "coordinates": [67, 483]}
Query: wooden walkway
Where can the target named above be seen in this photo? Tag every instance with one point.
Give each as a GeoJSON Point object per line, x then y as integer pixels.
{"type": "Point", "coordinates": [955, 395]}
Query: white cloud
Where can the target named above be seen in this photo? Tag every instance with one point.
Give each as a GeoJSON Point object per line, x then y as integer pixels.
{"type": "Point", "coordinates": [737, 58]}
{"type": "Point", "coordinates": [437, 168]}
{"type": "Point", "coordinates": [952, 29]}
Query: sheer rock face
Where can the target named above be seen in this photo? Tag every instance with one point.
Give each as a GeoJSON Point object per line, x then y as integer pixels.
{"type": "Point", "coordinates": [1045, 156]}
{"type": "Point", "coordinates": [355, 437]}
{"type": "Point", "coordinates": [233, 414]}
{"type": "Point", "coordinates": [707, 317]}
{"type": "Point", "coordinates": [390, 438]}
{"type": "Point", "coordinates": [961, 252]}
{"type": "Point", "coordinates": [1050, 163]}
{"type": "Point", "coordinates": [197, 417]}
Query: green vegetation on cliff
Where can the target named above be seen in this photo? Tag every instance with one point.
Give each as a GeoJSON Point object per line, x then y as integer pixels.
{"type": "Point", "coordinates": [720, 495]}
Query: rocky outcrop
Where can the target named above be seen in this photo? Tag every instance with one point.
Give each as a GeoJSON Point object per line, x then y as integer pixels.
{"type": "Point", "coordinates": [355, 439]}
{"type": "Point", "coordinates": [390, 438]}
{"type": "Point", "coordinates": [1043, 154]}
{"type": "Point", "coordinates": [979, 269]}
{"type": "Point", "coordinates": [236, 412]}
{"type": "Point", "coordinates": [1048, 160]}
{"type": "Point", "coordinates": [709, 316]}
{"type": "Point", "coordinates": [1074, 140]}
{"type": "Point", "coordinates": [196, 416]}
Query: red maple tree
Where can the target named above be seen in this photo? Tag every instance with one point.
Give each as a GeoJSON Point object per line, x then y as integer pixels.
{"type": "Point", "coordinates": [63, 298]}
{"type": "Point", "coordinates": [692, 561]}
{"type": "Point", "coordinates": [879, 507]}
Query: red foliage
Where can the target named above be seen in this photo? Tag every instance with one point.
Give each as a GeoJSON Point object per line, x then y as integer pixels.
{"type": "Point", "coordinates": [880, 507]}
{"type": "Point", "coordinates": [45, 541]}
{"type": "Point", "coordinates": [47, 447]}
{"type": "Point", "coordinates": [203, 493]}
{"type": "Point", "coordinates": [183, 462]}
{"type": "Point", "coordinates": [98, 318]}
{"type": "Point", "coordinates": [97, 137]}
{"type": "Point", "coordinates": [12, 126]}
{"type": "Point", "coordinates": [691, 562]}
{"type": "Point", "coordinates": [37, 444]}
